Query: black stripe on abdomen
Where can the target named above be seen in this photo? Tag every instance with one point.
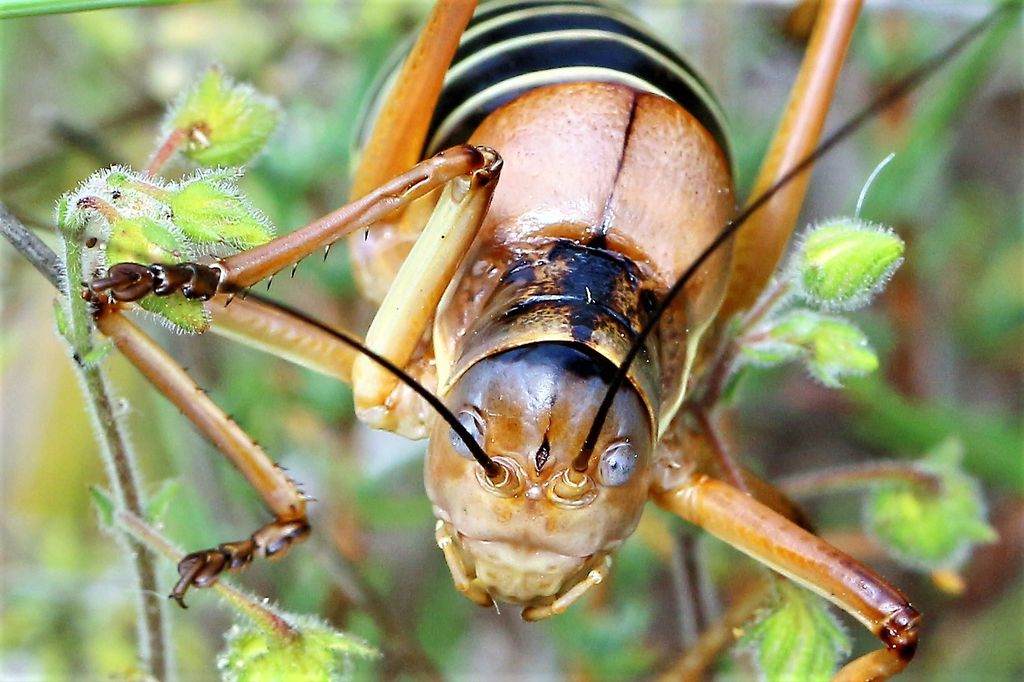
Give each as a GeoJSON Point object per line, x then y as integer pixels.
{"type": "Point", "coordinates": [511, 48]}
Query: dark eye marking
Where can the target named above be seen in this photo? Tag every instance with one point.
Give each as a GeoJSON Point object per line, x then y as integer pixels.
{"type": "Point", "coordinates": [543, 453]}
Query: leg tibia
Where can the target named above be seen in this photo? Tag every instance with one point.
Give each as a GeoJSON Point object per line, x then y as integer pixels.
{"type": "Point", "coordinates": [278, 492]}
{"type": "Point", "coordinates": [132, 281]}
{"type": "Point", "coordinates": [400, 130]}
{"type": "Point", "coordinates": [249, 267]}
{"type": "Point", "coordinates": [271, 327]}
{"type": "Point", "coordinates": [760, 243]}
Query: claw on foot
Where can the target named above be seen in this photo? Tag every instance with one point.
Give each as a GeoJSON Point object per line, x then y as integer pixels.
{"type": "Point", "coordinates": [202, 568]}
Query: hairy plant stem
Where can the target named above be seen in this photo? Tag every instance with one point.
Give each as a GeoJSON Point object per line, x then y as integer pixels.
{"type": "Point", "coordinates": [857, 477]}
{"type": "Point", "coordinates": [152, 629]}
{"type": "Point", "coordinates": [724, 364]}
{"type": "Point", "coordinates": [77, 330]}
{"type": "Point", "coordinates": [119, 459]}
{"type": "Point", "coordinates": [245, 603]}
{"type": "Point", "coordinates": [163, 154]}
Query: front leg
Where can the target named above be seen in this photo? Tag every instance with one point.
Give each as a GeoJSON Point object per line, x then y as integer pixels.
{"type": "Point", "coordinates": [788, 549]}
{"type": "Point", "coordinates": [279, 493]}
{"type": "Point", "coordinates": [468, 175]}
{"type": "Point", "coordinates": [127, 282]}
{"type": "Point", "coordinates": [397, 331]}
{"type": "Point", "coordinates": [399, 328]}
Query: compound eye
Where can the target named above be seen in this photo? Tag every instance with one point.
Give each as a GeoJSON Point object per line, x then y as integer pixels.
{"type": "Point", "coordinates": [617, 464]}
{"type": "Point", "coordinates": [474, 423]}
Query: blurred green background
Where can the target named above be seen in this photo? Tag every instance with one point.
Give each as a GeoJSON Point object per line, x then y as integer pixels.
{"type": "Point", "coordinates": [84, 91]}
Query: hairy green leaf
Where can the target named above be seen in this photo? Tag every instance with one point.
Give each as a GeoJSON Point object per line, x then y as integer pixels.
{"type": "Point", "coordinates": [178, 313]}
{"type": "Point", "coordinates": [209, 209]}
{"type": "Point", "coordinates": [798, 638]}
{"type": "Point", "coordinates": [227, 123]}
{"type": "Point", "coordinates": [158, 504]}
{"type": "Point", "coordinates": [146, 240]}
{"type": "Point", "coordinates": [317, 652]}
{"type": "Point", "coordinates": [931, 528]}
{"type": "Point", "coordinates": [97, 354]}
{"type": "Point", "coordinates": [104, 505]}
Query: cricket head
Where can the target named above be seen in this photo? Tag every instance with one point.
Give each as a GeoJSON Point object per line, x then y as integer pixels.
{"type": "Point", "coordinates": [538, 528]}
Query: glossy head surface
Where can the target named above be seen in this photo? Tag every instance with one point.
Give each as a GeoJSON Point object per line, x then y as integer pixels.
{"type": "Point", "coordinates": [533, 534]}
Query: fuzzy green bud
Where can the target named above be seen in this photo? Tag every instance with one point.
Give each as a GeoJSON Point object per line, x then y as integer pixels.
{"type": "Point", "coordinates": [798, 638]}
{"type": "Point", "coordinates": [831, 347]}
{"type": "Point", "coordinates": [316, 652]}
{"type": "Point", "coordinates": [145, 240]}
{"type": "Point", "coordinates": [226, 123]}
{"type": "Point", "coordinates": [145, 220]}
{"type": "Point", "coordinates": [843, 263]}
{"type": "Point", "coordinates": [930, 527]}
{"type": "Point", "coordinates": [209, 209]}
{"type": "Point", "coordinates": [70, 222]}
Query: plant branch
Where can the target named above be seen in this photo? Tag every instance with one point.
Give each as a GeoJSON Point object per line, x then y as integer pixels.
{"type": "Point", "coordinates": [694, 664]}
{"type": "Point", "coordinates": [857, 477]}
{"type": "Point", "coordinates": [31, 247]}
{"type": "Point", "coordinates": [113, 444]}
{"type": "Point", "coordinates": [166, 150]}
{"type": "Point", "coordinates": [731, 470]}
{"type": "Point", "coordinates": [397, 641]}
{"type": "Point", "coordinates": [126, 487]}
{"type": "Point", "coordinates": [78, 330]}
{"type": "Point", "coordinates": [724, 364]}
{"type": "Point", "coordinates": [244, 602]}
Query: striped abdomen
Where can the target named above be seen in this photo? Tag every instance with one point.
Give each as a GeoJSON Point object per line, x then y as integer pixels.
{"type": "Point", "coordinates": [511, 48]}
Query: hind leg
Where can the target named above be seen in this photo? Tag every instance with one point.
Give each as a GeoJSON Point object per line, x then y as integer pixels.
{"type": "Point", "coordinates": [396, 142]}
{"type": "Point", "coordinates": [759, 245]}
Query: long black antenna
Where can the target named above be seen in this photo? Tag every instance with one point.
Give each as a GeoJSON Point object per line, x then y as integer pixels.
{"type": "Point", "coordinates": [885, 99]}
{"type": "Point", "coordinates": [491, 467]}
{"type": "Point", "coordinates": [46, 261]}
